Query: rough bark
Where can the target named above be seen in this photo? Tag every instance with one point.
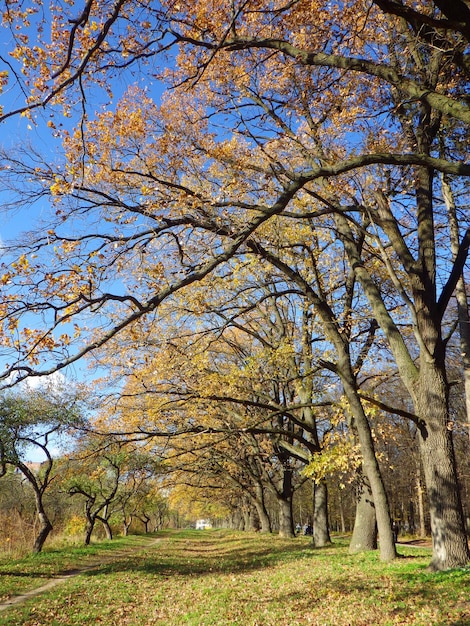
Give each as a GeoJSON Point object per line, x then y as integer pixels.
{"type": "Point", "coordinates": [321, 531]}
{"type": "Point", "coordinates": [420, 496]}
{"type": "Point", "coordinates": [286, 522]}
{"type": "Point", "coordinates": [450, 547]}
{"type": "Point", "coordinates": [364, 537]}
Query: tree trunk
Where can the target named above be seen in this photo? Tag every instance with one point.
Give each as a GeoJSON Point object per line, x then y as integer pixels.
{"type": "Point", "coordinates": [264, 520]}
{"type": "Point", "coordinates": [321, 531]}
{"type": "Point", "coordinates": [450, 547]}
{"type": "Point", "coordinates": [126, 524]}
{"type": "Point", "coordinates": [88, 530]}
{"type": "Point", "coordinates": [107, 527]}
{"type": "Point", "coordinates": [284, 499]}
{"type": "Point", "coordinates": [341, 512]}
{"type": "Point", "coordinates": [286, 522]}
{"type": "Point", "coordinates": [237, 520]}
{"type": "Point", "coordinates": [364, 537]}
{"type": "Point", "coordinates": [45, 525]}
{"type": "Point", "coordinates": [419, 494]}
{"type": "Point", "coordinates": [249, 517]}
{"type": "Point", "coordinates": [460, 294]}
{"type": "Point", "coordinates": [44, 530]}
{"type": "Point", "coordinates": [372, 471]}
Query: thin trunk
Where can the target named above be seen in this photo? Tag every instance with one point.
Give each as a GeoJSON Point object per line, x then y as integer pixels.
{"type": "Point", "coordinates": [125, 527]}
{"type": "Point", "coordinates": [45, 525]}
{"type": "Point", "coordinates": [372, 471]}
{"type": "Point", "coordinates": [460, 294]}
{"type": "Point", "coordinates": [341, 514]}
{"type": "Point", "coordinates": [107, 527]}
{"type": "Point", "coordinates": [321, 531]}
{"type": "Point", "coordinates": [44, 530]}
{"type": "Point", "coordinates": [260, 505]}
{"type": "Point", "coordinates": [88, 530]}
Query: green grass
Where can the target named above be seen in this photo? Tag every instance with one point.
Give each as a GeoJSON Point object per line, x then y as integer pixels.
{"type": "Point", "coordinates": [200, 578]}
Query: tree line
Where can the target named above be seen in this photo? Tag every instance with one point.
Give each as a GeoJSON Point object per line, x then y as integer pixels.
{"type": "Point", "coordinates": [291, 211]}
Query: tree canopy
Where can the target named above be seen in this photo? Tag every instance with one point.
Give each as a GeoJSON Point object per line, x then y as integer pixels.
{"type": "Point", "coordinates": [326, 140]}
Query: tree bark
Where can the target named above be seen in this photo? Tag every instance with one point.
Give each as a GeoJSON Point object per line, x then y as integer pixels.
{"type": "Point", "coordinates": [364, 537]}
{"type": "Point", "coordinates": [372, 471]}
{"type": "Point", "coordinates": [44, 530]}
{"type": "Point", "coordinates": [450, 547]}
{"type": "Point", "coordinates": [88, 530]}
{"type": "Point", "coordinates": [45, 526]}
{"type": "Point", "coordinates": [341, 513]}
{"type": "Point", "coordinates": [263, 515]}
{"type": "Point", "coordinates": [107, 527]}
{"type": "Point", "coordinates": [321, 530]}
{"type": "Point", "coordinates": [286, 522]}
{"type": "Point", "coordinates": [419, 493]}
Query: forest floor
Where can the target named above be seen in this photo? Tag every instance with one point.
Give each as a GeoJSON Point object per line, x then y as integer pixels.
{"type": "Point", "coordinates": [225, 578]}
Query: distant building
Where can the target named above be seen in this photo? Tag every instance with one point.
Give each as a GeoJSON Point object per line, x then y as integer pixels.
{"type": "Point", "coordinates": [203, 524]}
{"type": "Point", "coordinates": [33, 466]}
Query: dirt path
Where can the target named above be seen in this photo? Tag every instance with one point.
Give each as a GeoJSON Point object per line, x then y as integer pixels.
{"type": "Point", "coordinates": [50, 583]}
{"type": "Point", "coordinates": [61, 577]}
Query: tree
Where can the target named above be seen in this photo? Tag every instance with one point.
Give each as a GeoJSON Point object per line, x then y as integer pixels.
{"type": "Point", "coordinates": [139, 495]}
{"type": "Point", "coordinates": [31, 419]}
{"type": "Point", "coordinates": [96, 477]}
{"type": "Point", "coordinates": [239, 377]}
{"type": "Point", "coordinates": [151, 507]}
{"type": "Point", "coordinates": [257, 136]}
{"type": "Point", "coordinates": [420, 119]}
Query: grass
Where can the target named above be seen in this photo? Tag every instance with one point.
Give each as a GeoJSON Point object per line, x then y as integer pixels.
{"type": "Point", "coordinates": [199, 578]}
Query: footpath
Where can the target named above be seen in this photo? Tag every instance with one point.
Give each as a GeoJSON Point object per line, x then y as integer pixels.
{"type": "Point", "coordinates": [63, 576]}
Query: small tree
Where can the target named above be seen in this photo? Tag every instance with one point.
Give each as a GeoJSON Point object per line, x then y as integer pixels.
{"type": "Point", "coordinates": [34, 419]}
{"type": "Point", "coordinates": [106, 472]}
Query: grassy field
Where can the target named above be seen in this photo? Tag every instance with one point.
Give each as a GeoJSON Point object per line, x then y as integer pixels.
{"type": "Point", "coordinates": [220, 577]}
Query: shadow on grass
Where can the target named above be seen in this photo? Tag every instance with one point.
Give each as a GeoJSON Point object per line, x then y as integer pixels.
{"type": "Point", "coordinates": [195, 554]}
{"type": "Point", "coordinates": [192, 554]}
{"type": "Point", "coordinates": [16, 574]}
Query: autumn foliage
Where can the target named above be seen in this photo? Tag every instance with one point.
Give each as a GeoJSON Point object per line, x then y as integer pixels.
{"type": "Point", "coordinates": [247, 199]}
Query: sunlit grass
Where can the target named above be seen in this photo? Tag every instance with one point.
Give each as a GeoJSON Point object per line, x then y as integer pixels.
{"type": "Point", "coordinates": [202, 578]}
